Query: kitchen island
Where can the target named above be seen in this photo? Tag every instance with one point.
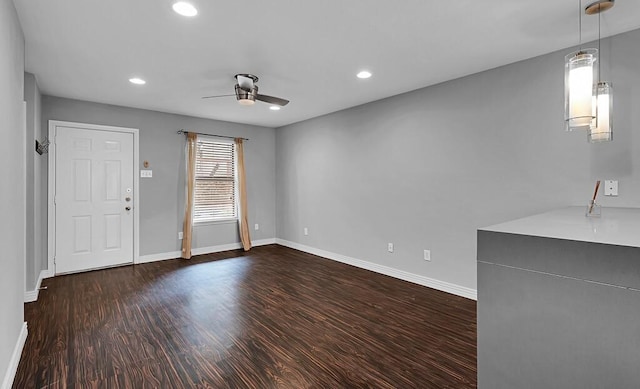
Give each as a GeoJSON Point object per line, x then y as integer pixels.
{"type": "Point", "coordinates": [559, 301]}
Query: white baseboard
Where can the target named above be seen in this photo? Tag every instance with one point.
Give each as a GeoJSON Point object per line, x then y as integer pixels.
{"type": "Point", "coordinates": [215, 249]}
{"type": "Point", "coordinates": [201, 251]}
{"type": "Point", "coordinates": [389, 271]}
{"type": "Point", "coordinates": [158, 257]}
{"type": "Point", "coordinates": [263, 242]}
{"type": "Point", "coordinates": [32, 295]}
{"type": "Point", "coordinates": [10, 374]}
{"type": "Point", "coordinates": [231, 246]}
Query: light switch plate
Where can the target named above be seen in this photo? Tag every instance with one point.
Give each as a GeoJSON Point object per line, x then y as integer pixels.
{"type": "Point", "coordinates": [146, 173]}
{"type": "Point", "coordinates": [610, 187]}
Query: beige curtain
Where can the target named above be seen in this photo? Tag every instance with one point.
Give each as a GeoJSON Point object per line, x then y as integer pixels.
{"type": "Point", "coordinates": [188, 208]}
{"type": "Point", "coordinates": [243, 219]}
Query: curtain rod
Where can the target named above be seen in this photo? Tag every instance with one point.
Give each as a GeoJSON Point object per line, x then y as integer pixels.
{"type": "Point", "coordinates": [217, 136]}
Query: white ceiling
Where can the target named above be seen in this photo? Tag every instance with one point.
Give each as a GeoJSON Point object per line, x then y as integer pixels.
{"type": "Point", "coordinates": [305, 51]}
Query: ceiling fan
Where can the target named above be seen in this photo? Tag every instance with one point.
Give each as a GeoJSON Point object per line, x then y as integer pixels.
{"type": "Point", "coordinates": [247, 92]}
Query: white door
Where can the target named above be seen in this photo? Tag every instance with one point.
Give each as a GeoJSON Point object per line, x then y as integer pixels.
{"type": "Point", "coordinates": [93, 199]}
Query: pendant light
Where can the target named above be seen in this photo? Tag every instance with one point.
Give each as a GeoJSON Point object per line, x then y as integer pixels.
{"type": "Point", "coordinates": [601, 129]}
{"type": "Point", "coordinates": [579, 79]}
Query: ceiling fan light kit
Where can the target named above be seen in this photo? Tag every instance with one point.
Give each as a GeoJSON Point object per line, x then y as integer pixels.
{"type": "Point", "coordinates": [246, 97]}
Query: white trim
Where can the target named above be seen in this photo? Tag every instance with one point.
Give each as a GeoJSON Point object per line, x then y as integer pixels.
{"type": "Point", "coordinates": [389, 271]}
{"type": "Point", "coordinates": [263, 242]}
{"type": "Point", "coordinates": [51, 174]}
{"type": "Point", "coordinates": [51, 228]}
{"type": "Point", "coordinates": [202, 250]}
{"type": "Point", "coordinates": [136, 192]}
{"type": "Point", "coordinates": [158, 257]}
{"type": "Point", "coordinates": [25, 222]}
{"type": "Point", "coordinates": [215, 249]}
{"type": "Point", "coordinates": [231, 246]}
{"type": "Point", "coordinates": [10, 374]}
{"type": "Point", "coordinates": [32, 295]}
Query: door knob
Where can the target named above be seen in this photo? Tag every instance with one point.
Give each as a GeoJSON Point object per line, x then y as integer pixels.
{"type": "Point", "coordinates": [127, 199]}
{"type": "Point", "coordinates": [127, 208]}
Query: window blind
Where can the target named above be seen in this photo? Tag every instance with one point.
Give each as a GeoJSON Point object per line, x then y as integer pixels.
{"type": "Point", "coordinates": [215, 181]}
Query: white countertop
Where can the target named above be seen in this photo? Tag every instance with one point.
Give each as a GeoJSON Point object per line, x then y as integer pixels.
{"type": "Point", "coordinates": [617, 226]}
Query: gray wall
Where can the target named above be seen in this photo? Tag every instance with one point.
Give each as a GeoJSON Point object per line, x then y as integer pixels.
{"type": "Point", "coordinates": [425, 169]}
{"type": "Point", "coordinates": [12, 192]}
{"type": "Point", "coordinates": [36, 259]}
{"type": "Point", "coordinates": [162, 197]}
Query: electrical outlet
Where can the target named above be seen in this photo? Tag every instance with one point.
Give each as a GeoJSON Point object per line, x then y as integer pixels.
{"type": "Point", "coordinates": [610, 187]}
{"type": "Point", "coordinates": [180, 235]}
{"type": "Point", "coordinates": [390, 247]}
{"type": "Point", "coordinates": [427, 255]}
{"type": "Point", "coordinates": [306, 231]}
{"type": "Point", "coordinates": [256, 227]}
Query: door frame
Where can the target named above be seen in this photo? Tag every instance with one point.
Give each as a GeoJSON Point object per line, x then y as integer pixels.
{"type": "Point", "coordinates": [51, 224]}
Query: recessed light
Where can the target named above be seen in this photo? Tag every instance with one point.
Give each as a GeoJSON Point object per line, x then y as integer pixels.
{"type": "Point", "coordinates": [137, 81]}
{"type": "Point", "coordinates": [274, 108]}
{"type": "Point", "coordinates": [185, 8]}
{"type": "Point", "coordinates": [364, 74]}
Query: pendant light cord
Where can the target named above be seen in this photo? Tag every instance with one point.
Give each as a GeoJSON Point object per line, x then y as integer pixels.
{"type": "Point", "coordinates": [580, 24]}
{"type": "Point", "coordinates": [599, 51]}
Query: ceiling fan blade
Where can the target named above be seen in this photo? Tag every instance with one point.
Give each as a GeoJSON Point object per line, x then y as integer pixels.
{"type": "Point", "coordinates": [272, 100]}
{"type": "Point", "coordinates": [246, 83]}
{"type": "Point", "coordinates": [212, 97]}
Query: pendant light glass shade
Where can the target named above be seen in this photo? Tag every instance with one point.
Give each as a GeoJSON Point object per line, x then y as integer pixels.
{"type": "Point", "coordinates": [580, 76]}
{"type": "Point", "coordinates": [601, 129]}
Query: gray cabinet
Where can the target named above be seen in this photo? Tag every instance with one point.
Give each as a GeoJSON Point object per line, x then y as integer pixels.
{"type": "Point", "coordinates": [554, 312]}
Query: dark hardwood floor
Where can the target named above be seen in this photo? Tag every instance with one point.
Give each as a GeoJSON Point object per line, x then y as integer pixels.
{"type": "Point", "coordinates": [269, 318]}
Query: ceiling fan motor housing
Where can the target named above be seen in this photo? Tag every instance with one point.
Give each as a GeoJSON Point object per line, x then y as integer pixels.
{"type": "Point", "coordinates": [247, 92]}
{"type": "Point", "coordinates": [246, 97]}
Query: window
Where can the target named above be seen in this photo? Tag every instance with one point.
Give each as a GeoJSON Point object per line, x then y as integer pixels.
{"type": "Point", "coordinates": [215, 181]}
